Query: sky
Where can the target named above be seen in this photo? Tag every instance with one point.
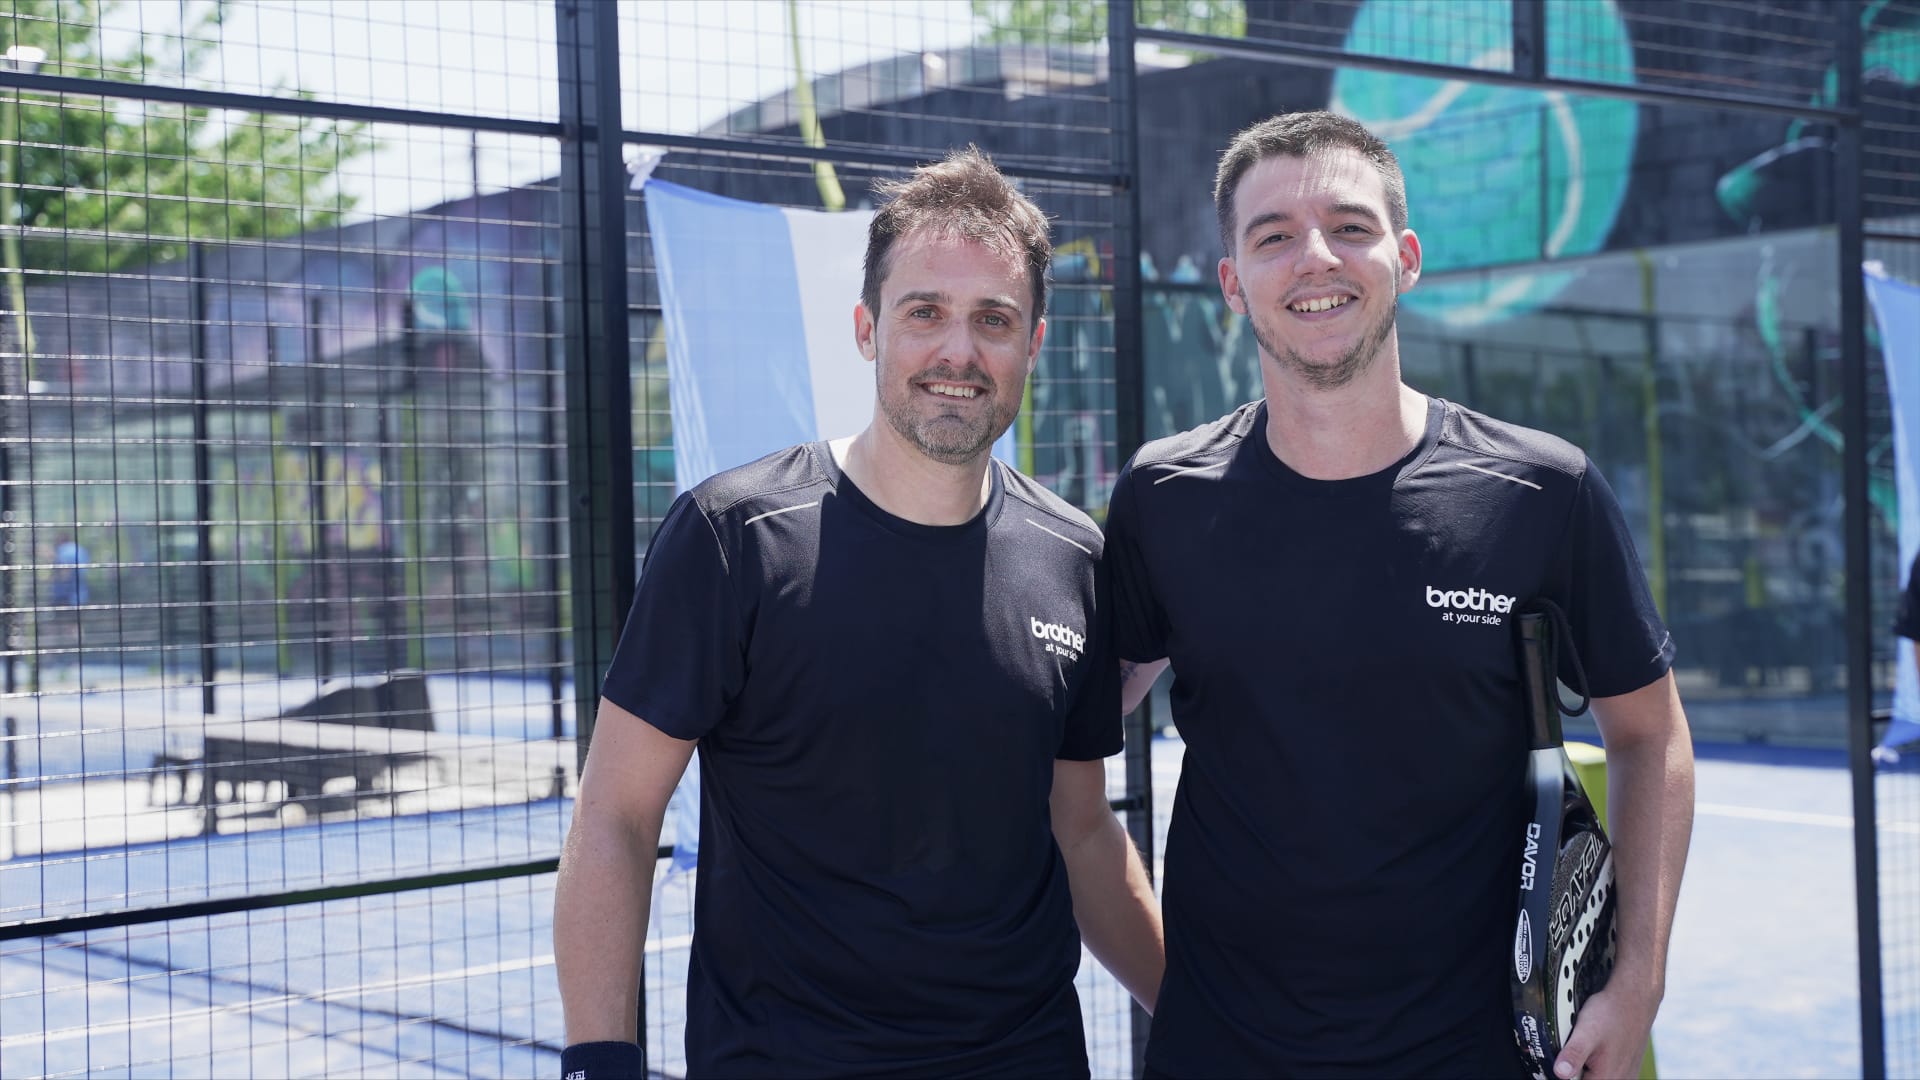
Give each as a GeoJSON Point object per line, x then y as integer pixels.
{"type": "Point", "coordinates": [686, 64]}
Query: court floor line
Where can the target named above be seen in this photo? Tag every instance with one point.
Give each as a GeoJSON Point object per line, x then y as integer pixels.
{"type": "Point", "coordinates": [1798, 817]}
{"type": "Point", "coordinates": [655, 947]}
{"type": "Point", "coordinates": [321, 997]}
{"type": "Point", "coordinates": [1171, 772]}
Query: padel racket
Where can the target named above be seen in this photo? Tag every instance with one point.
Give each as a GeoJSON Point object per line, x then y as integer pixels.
{"type": "Point", "coordinates": [1563, 939]}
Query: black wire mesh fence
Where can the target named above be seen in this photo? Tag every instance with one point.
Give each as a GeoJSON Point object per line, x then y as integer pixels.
{"type": "Point", "coordinates": [291, 584]}
{"type": "Point", "coordinates": [287, 630]}
{"type": "Point", "coordinates": [315, 514]}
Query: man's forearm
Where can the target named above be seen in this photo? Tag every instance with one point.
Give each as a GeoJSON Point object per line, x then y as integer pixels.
{"type": "Point", "coordinates": [600, 908]}
{"type": "Point", "coordinates": [1650, 794]}
{"type": "Point", "coordinates": [1114, 904]}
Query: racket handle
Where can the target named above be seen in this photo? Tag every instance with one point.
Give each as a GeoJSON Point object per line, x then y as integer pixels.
{"type": "Point", "coordinates": [1537, 676]}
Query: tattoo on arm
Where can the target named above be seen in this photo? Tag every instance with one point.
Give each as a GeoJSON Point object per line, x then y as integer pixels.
{"type": "Point", "coordinates": [1127, 668]}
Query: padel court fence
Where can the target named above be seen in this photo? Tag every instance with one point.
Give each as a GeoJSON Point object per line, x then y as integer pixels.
{"type": "Point", "coordinates": [321, 520]}
{"type": "Point", "coordinates": [334, 423]}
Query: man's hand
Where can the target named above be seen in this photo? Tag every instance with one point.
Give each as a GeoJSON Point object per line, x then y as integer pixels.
{"type": "Point", "coordinates": [1609, 1040]}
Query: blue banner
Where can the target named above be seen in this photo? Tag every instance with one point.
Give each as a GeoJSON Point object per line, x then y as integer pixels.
{"type": "Point", "coordinates": [1896, 312]}
{"type": "Point", "coordinates": [758, 303]}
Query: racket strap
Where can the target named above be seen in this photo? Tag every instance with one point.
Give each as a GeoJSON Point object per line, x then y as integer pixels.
{"type": "Point", "coordinates": [1562, 638]}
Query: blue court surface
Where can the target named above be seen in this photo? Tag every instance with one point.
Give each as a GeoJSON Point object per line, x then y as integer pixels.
{"type": "Point", "coordinates": [459, 981]}
{"type": "Point", "coordinates": [1763, 977]}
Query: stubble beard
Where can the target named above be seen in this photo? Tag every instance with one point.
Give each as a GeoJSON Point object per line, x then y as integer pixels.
{"type": "Point", "coordinates": [1342, 371]}
{"type": "Point", "coordinates": [947, 436]}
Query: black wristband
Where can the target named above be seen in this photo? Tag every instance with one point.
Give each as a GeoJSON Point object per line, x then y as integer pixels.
{"type": "Point", "coordinates": [603, 1061]}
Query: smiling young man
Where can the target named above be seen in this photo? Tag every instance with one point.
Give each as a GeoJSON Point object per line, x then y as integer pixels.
{"type": "Point", "coordinates": [1331, 572]}
{"type": "Point", "coordinates": [892, 654]}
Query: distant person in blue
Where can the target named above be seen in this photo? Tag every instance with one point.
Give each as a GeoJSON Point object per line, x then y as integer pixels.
{"type": "Point", "coordinates": [1331, 571]}
{"type": "Point", "coordinates": [892, 655]}
{"type": "Point", "coordinates": [68, 588]}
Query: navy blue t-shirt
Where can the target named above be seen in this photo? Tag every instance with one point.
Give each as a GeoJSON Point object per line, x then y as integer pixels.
{"type": "Point", "coordinates": [879, 706]}
{"type": "Point", "coordinates": [1338, 887]}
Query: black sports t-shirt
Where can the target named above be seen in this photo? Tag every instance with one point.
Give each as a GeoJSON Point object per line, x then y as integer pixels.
{"type": "Point", "coordinates": [879, 706]}
{"type": "Point", "coordinates": [1339, 871]}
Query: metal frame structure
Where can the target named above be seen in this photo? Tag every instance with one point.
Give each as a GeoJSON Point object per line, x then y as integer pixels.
{"type": "Point", "coordinates": [598, 363]}
{"type": "Point", "coordinates": [598, 377]}
{"type": "Point", "coordinates": [1849, 204]}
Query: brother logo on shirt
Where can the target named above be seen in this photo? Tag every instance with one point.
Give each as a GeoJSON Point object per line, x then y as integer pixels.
{"type": "Point", "coordinates": [1063, 640]}
{"type": "Point", "coordinates": [1469, 605]}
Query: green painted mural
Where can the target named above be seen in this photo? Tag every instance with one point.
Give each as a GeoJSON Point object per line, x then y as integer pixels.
{"type": "Point", "coordinates": [1497, 175]}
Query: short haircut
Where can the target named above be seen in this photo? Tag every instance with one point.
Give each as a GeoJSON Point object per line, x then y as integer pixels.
{"type": "Point", "coordinates": [1303, 134]}
{"type": "Point", "coordinates": [962, 197]}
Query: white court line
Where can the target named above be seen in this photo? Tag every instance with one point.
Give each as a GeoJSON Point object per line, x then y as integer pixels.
{"type": "Point", "coordinates": [1796, 817]}
{"type": "Point", "coordinates": [679, 941]}
{"type": "Point", "coordinates": [1725, 810]}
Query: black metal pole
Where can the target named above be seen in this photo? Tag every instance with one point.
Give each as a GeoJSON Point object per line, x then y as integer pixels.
{"type": "Point", "coordinates": [593, 235]}
{"type": "Point", "coordinates": [552, 507]}
{"type": "Point", "coordinates": [1530, 39]}
{"type": "Point", "coordinates": [1529, 59]}
{"type": "Point", "coordinates": [1848, 211]}
{"type": "Point", "coordinates": [394, 460]}
{"type": "Point", "coordinates": [316, 501]}
{"type": "Point", "coordinates": [593, 202]}
{"type": "Point", "coordinates": [12, 382]}
{"type": "Point", "coordinates": [12, 765]}
{"type": "Point", "coordinates": [15, 380]}
{"type": "Point", "coordinates": [1129, 405]}
{"type": "Point", "coordinates": [202, 472]}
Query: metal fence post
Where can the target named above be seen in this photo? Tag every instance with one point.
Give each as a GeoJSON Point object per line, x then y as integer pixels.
{"type": "Point", "coordinates": [1530, 39]}
{"type": "Point", "coordinates": [593, 238]}
{"type": "Point", "coordinates": [202, 473]}
{"type": "Point", "coordinates": [1848, 210]}
{"type": "Point", "coordinates": [1129, 405]}
{"type": "Point", "coordinates": [321, 570]}
{"type": "Point", "coordinates": [553, 509]}
{"type": "Point", "coordinates": [593, 245]}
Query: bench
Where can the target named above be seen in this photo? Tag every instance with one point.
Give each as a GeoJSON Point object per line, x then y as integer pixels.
{"type": "Point", "coordinates": [302, 756]}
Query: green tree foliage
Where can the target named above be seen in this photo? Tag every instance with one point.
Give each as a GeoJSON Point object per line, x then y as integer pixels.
{"type": "Point", "coordinates": [1036, 22]}
{"type": "Point", "coordinates": [104, 183]}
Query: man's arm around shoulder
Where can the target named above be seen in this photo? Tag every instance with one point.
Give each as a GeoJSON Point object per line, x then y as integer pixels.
{"type": "Point", "coordinates": [1650, 802]}
{"type": "Point", "coordinates": [605, 887]}
{"type": "Point", "coordinates": [1112, 899]}
{"type": "Point", "coordinates": [1136, 681]}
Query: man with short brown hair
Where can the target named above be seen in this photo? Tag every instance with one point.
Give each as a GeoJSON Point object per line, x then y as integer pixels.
{"type": "Point", "coordinates": [1332, 572]}
{"type": "Point", "coordinates": [892, 654]}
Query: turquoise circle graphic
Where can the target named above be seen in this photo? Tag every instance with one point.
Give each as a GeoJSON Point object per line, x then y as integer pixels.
{"type": "Point", "coordinates": [1495, 174]}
